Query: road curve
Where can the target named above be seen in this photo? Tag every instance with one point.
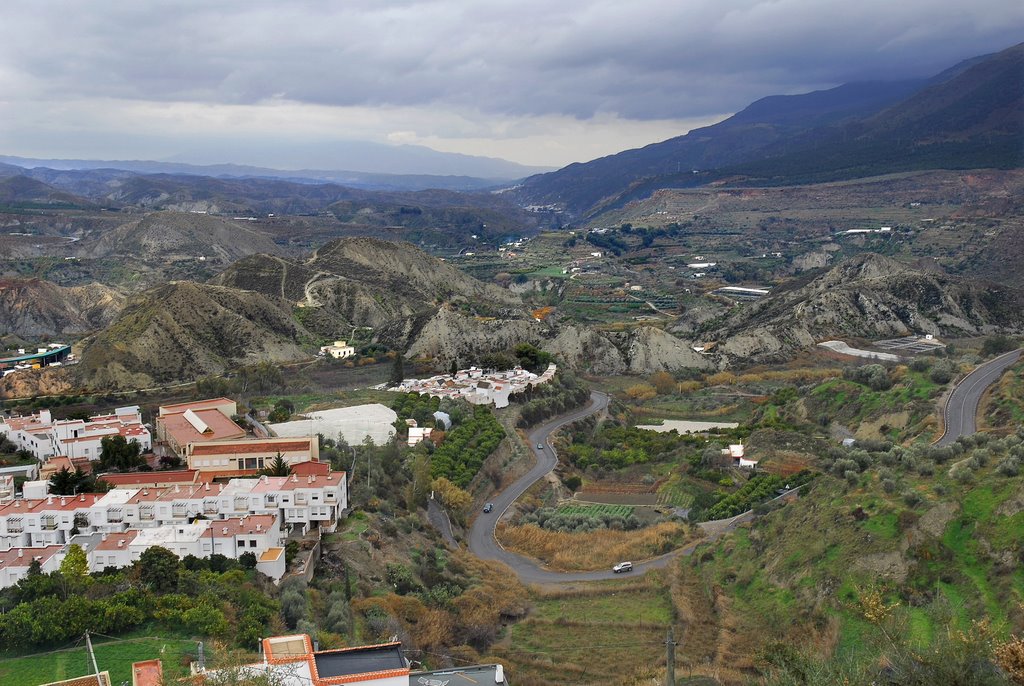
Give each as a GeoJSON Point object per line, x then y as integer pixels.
{"type": "Point", "coordinates": [483, 544]}
{"type": "Point", "coordinates": [961, 408]}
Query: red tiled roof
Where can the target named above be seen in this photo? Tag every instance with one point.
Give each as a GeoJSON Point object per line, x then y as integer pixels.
{"type": "Point", "coordinates": [194, 405]}
{"type": "Point", "coordinates": [22, 557]}
{"type": "Point", "coordinates": [117, 541]}
{"type": "Point", "coordinates": [250, 447]}
{"type": "Point", "coordinates": [311, 467]}
{"type": "Point", "coordinates": [220, 427]}
{"type": "Point", "coordinates": [182, 476]}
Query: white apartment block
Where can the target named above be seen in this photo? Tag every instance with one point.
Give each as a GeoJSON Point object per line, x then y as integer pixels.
{"type": "Point", "coordinates": [241, 516]}
{"type": "Point", "coordinates": [14, 563]}
{"type": "Point", "coordinates": [45, 437]}
{"type": "Point", "coordinates": [232, 537]}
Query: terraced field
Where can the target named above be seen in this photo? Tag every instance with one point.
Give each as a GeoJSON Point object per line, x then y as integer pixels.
{"type": "Point", "coordinates": [596, 510]}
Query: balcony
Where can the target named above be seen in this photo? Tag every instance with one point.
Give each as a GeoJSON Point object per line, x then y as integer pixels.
{"type": "Point", "coordinates": [146, 514]}
{"type": "Point", "coordinates": [48, 525]}
{"type": "Point", "coordinates": [241, 504]}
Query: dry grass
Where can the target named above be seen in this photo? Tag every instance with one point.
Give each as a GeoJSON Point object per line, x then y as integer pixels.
{"type": "Point", "coordinates": [594, 549]}
{"type": "Point", "coordinates": [806, 375]}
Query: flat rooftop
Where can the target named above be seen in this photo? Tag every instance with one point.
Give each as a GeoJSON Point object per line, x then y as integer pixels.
{"type": "Point", "coordinates": [365, 660]}
{"type": "Point", "coordinates": [464, 676]}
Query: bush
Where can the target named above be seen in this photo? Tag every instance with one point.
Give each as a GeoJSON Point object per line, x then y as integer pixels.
{"type": "Point", "coordinates": [874, 376]}
{"type": "Point", "coordinates": [1009, 467]}
{"type": "Point", "coordinates": [997, 345]}
{"type": "Point", "coordinates": [942, 372]}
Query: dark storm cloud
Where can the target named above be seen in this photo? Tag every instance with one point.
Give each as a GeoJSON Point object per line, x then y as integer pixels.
{"type": "Point", "coordinates": [640, 59]}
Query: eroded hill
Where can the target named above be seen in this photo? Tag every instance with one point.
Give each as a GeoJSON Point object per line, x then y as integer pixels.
{"type": "Point", "coordinates": [181, 330]}
{"type": "Point", "coordinates": [869, 296]}
{"type": "Point", "coordinates": [34, 308]}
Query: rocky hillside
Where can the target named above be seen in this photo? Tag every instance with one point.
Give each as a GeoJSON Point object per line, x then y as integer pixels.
{"type": "Point", "coordinates": [449, 336]}
{"type": "Point", "coordinates": [869, 296]}
{"type": "Point", "coordinates": [33, 308]}
{"type": "Point", "coordinates": [176, 235]}
{"type": "Point", "coordinates": [364, 282]}
{"type": "Point", "coordinates": [181, 330]}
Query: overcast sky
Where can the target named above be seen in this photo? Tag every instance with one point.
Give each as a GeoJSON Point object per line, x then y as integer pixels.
{"type": "Point", "coordinates": [541, 82]}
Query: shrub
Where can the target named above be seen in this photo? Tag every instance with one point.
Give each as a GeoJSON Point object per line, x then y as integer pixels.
{"type": "Point", "coordinates": [942, 372]}
{"type": "Point", "coordinates": [1009, 467]}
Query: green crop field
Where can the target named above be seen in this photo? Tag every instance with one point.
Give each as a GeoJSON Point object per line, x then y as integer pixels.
{"type": "Point", "coordinates": [115, 657]}
{"type": "Point", "coordinates": [596, 510]}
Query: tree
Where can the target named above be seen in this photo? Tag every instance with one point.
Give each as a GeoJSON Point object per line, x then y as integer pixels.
{"type": "Point", "coordinates": [119, 454]}
{"type": "Point", "coordinates": [75, 564]}
{"type": "Point", "coordinates": [663, 382]}
{"type": "Point", "coordinates": [451, 495]}
{"type": "Point", "coordinates": [158, 569]}
{"type": "Point", "coordinates": [65, 482]}
{"type": "Point", "coordinates": [277, 467]}
{"type": "Point", "coordinates": [247, 560]}
{"type": "Point", "coordinates": [74, 569]}
{"type": "Point", "coordinates": [283, 410]}
{"type": "Point", "coordinates": [397, 371]}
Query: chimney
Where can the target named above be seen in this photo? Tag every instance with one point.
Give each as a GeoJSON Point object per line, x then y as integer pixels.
{"type": "Point", "coordinates": [103, 537]}
{"type": "Point", "coordinates": [225, 531]}
{"type": "Point", "coordinates": [145, 491]}
{"type": "Point", "coordinates": [49, 500]}
{"type": "Point", "coordinates": [120, 544]}
{"type": "Point", "coordinates": [259, 527]}
{"type": "Point", "coordinates": [207, 487]}
{"type": "Point", "coordinates": [21, 552]}
{"type": "Point", "coordinates": [82, 499]}
{"type": "Point", "coordinates": [295, 478]}
{"type": "Point", "coordinates": [63, 501]}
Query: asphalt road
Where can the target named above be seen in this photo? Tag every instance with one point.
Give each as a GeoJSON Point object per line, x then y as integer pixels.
{"type": "Point", "coordinates": [961, 408]}
{"type": "Point", "coordinates": [481, 536]}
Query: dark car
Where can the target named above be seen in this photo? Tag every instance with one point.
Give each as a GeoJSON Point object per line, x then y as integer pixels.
{"type": "Point", "coordinates": [488, 507]}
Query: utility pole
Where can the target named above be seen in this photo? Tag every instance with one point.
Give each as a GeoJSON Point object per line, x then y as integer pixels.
{"type": "Point", "coordinates": [92, 655]}
{"type": "Point", "coordinates": [670, 659]}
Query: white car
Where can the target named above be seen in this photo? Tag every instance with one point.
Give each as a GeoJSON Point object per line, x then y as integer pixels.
{"type": "Point", "coordinates": [623, 567]}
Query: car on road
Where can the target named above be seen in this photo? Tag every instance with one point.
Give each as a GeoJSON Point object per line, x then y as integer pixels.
{"type": "Point", "coordinates": [623, 567]}
{"type": "Point", "coordinates": [540, 446]}
{"type": "Point", "coordinates": [488, 507]}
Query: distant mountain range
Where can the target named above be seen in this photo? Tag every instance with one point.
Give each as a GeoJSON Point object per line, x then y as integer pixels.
{"type": "Point", "coordinates": [369, 166]}
{"type": "Point", "coordinates": [969, 116]}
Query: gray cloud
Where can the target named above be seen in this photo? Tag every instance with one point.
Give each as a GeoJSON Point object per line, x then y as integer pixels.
{"type": "Point", "coordinates": [639, 60]}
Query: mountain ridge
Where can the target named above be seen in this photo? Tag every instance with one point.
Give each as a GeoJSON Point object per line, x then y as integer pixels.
{"type": "Point", "coordinates": [849, 131]}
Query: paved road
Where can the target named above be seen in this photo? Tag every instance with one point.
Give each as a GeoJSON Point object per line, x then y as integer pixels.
{"type": "Point", "coordinates": [962, 406]}
{"type": "Point", "coordinates": [481, 536]}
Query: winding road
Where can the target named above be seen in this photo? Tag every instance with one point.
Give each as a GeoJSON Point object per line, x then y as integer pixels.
{"type": "Point", "coordinates": [960, 412]}
{"type": "Point", "coordinates": [483, 544]}
{"type": "Point", "coordinates": [961, 409]}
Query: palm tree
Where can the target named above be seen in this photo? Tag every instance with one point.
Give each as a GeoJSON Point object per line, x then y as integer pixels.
{"type": "Point", "coordinates": [277, 467]}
